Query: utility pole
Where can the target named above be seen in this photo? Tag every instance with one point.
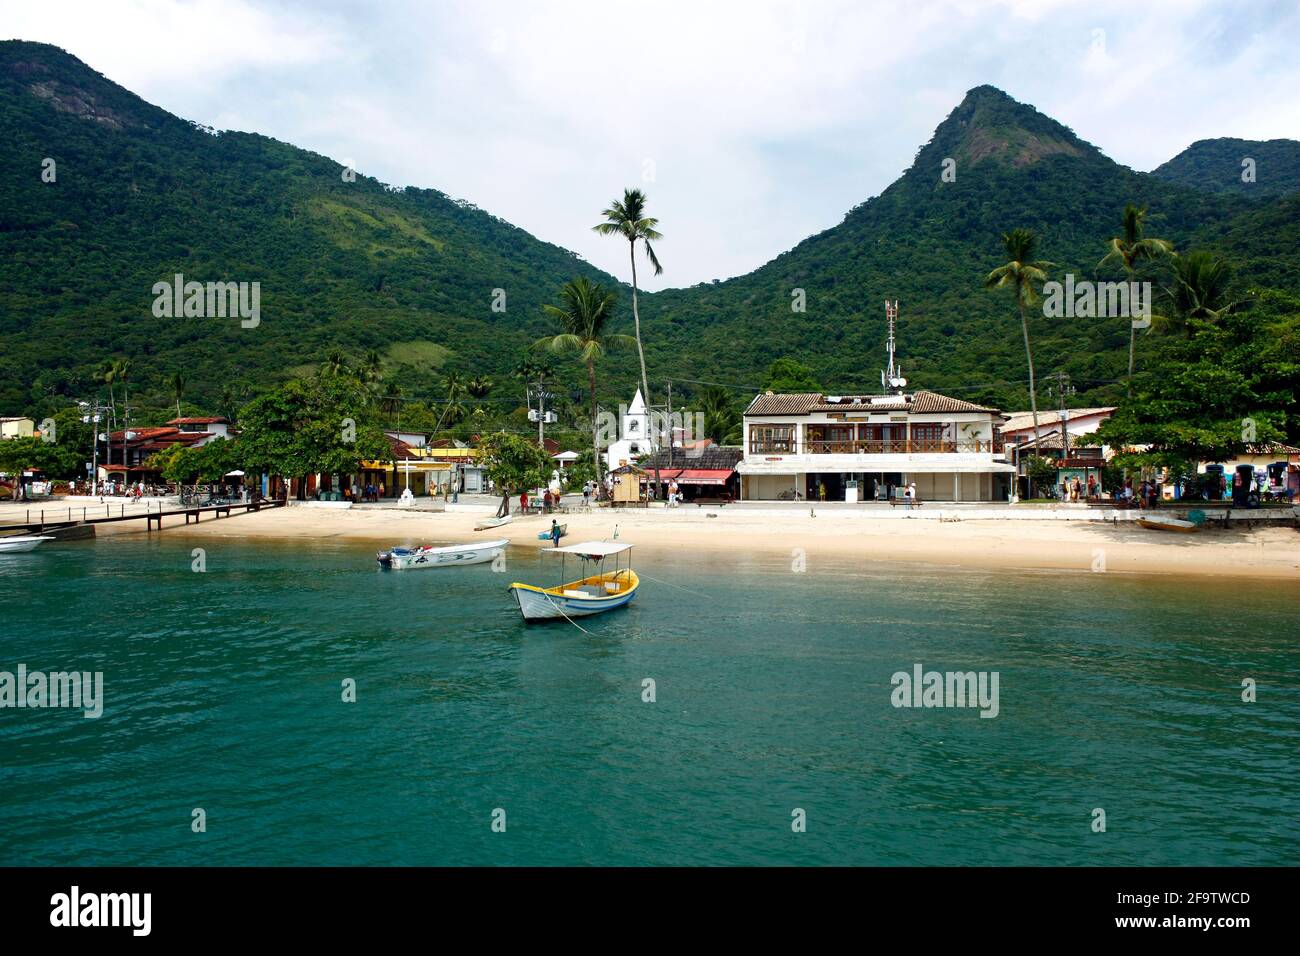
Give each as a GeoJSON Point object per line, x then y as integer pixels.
{"type": "Point", "coordinates": [91, 416]}
{"type": "Point", "coordinates": [540, 385]}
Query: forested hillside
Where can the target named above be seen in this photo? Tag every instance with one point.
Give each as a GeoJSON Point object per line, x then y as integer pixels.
{"type": "Point", "coordinates": [139, 195]}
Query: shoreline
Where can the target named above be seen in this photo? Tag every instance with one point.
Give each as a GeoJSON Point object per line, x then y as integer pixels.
{"type": "Point", "coordinates": [1259, 553]}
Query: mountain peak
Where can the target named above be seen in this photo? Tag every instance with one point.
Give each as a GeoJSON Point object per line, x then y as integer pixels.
{"type": "Point", "coordinates": [70, 86]}
{"type": "Point", "coordinates": [990, 124]}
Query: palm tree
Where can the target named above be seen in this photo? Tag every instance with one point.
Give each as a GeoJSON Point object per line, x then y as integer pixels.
{"type": "Point", "coordinates": [178, 390]}
{"type": "Point", "coordinates": [627, 218]}
{"type": "Point", "coordinates": [1200, 290]}
{"type": "Point", "coordinates": [390, 401]}
{"type": "Point", "coordinates": [106, 373]}
{"type": "Point", "coordinates": [585, 310]}
{"type": "Point", "coordinates": [372, 368]}
{"type": "Point", "coordinates": [1021, 273]}
{"type": "Point", "coordinates": [529, 369]}
{"type": "Point", "coordinates": [1129, 249]}
{"type": "Point", "coordinates": [721, 422]}
{"type": "Point", "coordinates": [336, 363]}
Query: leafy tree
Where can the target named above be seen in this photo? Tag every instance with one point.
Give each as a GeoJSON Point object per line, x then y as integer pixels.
{"type": "Point", "coordinates": [309, 426]}
{"type": "Point", "coordinates": [585, 311]}
{"type": "Point", "coordinates": [789, 375]}
{"type": "Point", "coordinates": [513, 464]}
{"type": "Point", "coordinates": [1129, 248]}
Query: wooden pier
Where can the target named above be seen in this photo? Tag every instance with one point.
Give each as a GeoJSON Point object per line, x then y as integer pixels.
{"type": "Point", "coordinates": [59, 519]}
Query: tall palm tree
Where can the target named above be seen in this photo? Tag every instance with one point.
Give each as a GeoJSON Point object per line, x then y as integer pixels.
{"type": "Point", "coordinates": [627, 218]}
{"type": "Point", "coordinates": [529, 369]}
{"type": "Point", "coordinates": [1021, 273]}
{"type": "Point", "coordinates": [106, 373]}
{"type": "Point", "coordinates": [1129, 249]}
{"type": "Point", "coordinates": [178, 390]}
{"type": "Point", "coordinates": [584, 312]}
{"type": "Point", "coordinates": [372, 368]}
{"type": "Point", "coordinates": [479, 386]}
{"type": "Point", "coordinates": [721, 421]}
{"type": "Point", "coordinates": [390, 401]}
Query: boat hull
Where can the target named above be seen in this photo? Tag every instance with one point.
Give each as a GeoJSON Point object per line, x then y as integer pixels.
{"type": "Point", "coordinates": [577, 598]}
{"type": "Point", "coordinates": [20, 543]}
{"type": "Point", "coordinates": [1168, 524]}
{"type": "Point", "coordinates": [454, 556]}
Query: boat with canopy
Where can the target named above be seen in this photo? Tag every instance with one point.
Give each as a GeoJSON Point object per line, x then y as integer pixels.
{"type": "Point", "coordinates": [603, 590]}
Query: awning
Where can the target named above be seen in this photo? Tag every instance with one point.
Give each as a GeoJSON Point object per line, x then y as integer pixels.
{"type": "Point", "coordinates": [666, 474]}
{"type": "Point", "coordinates": [704, 476]}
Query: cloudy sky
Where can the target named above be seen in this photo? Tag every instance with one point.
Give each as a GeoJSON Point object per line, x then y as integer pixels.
{"type": "Point", "coordinates": [750, 124]}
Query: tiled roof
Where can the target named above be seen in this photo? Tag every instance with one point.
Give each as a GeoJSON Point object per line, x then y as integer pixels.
{"type": "Point", "coordinates": [719, 457]}
{"type": "Point", "coordinates": [1020, 420]}
{"type": "Point", "coordinates": [803, 403]}
{"type": "Point", "coordinates": [199, 421]}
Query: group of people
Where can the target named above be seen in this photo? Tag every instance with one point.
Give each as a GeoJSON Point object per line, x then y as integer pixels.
{"type": "Point", "coordinates": [1147, 495]}
{"type": "Point", "coordinates": [1075, 490]}
{"type": "Point", "coordinates": [369, 492]}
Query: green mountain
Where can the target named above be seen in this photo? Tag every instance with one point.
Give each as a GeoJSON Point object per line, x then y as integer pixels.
{"type": "Point", "coordinates": [929, 243]}
{"type": "Point", "coordinates": [140, 195]}
{"type": "Point", "coordinates": [1217, 165]}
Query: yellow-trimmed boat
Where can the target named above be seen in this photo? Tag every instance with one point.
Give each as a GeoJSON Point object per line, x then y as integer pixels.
{"type": "Point", "coordinates": [591, 594]}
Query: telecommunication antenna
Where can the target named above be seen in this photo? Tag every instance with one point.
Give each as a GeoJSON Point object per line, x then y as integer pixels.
{"type": "Point", "coordinates": [892, 378]}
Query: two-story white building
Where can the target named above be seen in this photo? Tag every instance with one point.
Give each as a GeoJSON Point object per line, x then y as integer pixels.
{"type": "Point", "coordinates": [865, 447]}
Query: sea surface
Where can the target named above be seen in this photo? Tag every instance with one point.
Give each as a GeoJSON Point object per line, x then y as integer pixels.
{"type": "Point", "coordinates": [771, 714]}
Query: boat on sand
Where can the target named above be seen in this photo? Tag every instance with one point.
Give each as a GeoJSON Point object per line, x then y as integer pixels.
{"type": "Point", "coordinates": [1167, 523]}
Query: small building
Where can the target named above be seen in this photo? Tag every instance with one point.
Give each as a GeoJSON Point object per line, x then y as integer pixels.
{"type": "Point", "coordinates": [629, 485]}
{"type": "Point", "coordinates": [17, 427]}
{"type": "Point", "coordinates": [702, 470]}
{"type": "Point", "coordinates": [129, 449]}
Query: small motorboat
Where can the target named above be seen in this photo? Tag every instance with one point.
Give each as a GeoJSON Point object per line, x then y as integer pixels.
{"type": "Point", "coordinates": [487, 523]}
{"type": "Point", "coordinates": [402, 559]}
{"type": "Point", "coordinates": [1167, 523]}
{"type": "Point", "coordinates": [546, 535]}
{"type": "Point", "coordinates": [591, 594]}
{"type": "Point", "coordinates": [14, 544]}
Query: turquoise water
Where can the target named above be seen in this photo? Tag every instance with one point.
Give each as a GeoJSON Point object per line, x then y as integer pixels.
{"type": "Point", "coordinates": [223, 691]}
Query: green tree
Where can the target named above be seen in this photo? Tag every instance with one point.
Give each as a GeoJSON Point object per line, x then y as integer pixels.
{"type": "Point", "coordinates": [1021, 274]}
{"type": "Point", "coordinates": [513, 464]}
{"type": "Point", "coordinates": [789, 375]}
{"type": "Point", "coordinates": [309, 426]}
{"type": "Point", "coordinates": [722, 422]}
{"type": "Point", "coordinates": [177, 383]}
{"type": "Point", "coordinates": [1200, 292]}
{"type": "Point", "coordinates": [584, 312]}
{"type": "Point", "coordinates": [1129, 249]}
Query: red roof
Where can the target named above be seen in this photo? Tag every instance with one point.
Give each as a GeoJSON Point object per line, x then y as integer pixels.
{"type": "Point", "coordinates": [199, 421]}
{"type": "Point", "coordinates": [704, 476]}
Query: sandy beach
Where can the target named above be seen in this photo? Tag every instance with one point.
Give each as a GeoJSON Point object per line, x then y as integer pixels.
{"type": "Point", "coordinates": [836, 537]}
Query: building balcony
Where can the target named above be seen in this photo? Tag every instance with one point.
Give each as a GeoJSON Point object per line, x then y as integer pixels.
{"type": "Point", "coordinates": [900, 446]}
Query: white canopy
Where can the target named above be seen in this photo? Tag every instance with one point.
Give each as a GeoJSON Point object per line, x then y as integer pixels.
{"type": "Point", "coordinates": [591, 549]}
{"type": "Point", "coordinates": [235, 474]}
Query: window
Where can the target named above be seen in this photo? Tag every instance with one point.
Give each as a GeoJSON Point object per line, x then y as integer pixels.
{"type": "Point", "coordinates": [928, 432]}
{"type": "Point", "coordinates": [777, 439]}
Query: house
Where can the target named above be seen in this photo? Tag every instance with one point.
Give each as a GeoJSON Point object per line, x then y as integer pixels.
{"type": "Point", "coordinates": [629, 485]}
{"type": "Point", "coordinates": [130, 448]}
{"type": "Point", "coordinates": [634, 439]}
{"type": "Point", "coordinates": [856, 447]}
{"type": "Point", "coordinates": [701, 469]}
{"type": "Point", "coordinates": [14, 427]}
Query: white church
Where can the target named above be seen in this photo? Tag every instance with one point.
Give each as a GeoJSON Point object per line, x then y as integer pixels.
{"type": "Point", "coordinates": [634, 438]}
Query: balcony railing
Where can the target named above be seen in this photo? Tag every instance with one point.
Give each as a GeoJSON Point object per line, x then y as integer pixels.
{"type": "Point", "coordinates": [901, 446]}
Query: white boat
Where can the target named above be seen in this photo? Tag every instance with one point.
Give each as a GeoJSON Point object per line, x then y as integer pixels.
{"type": "Point", "coordinates": [402, 559]}
{"type": "Point", "coordinates": [493, 523]}
{"type": "Point", "coordinates": [590, 594]}
{"type": "Point", "coordinates": [22, 542]}
{"type": "Point", "coordinates": [1167, 523]}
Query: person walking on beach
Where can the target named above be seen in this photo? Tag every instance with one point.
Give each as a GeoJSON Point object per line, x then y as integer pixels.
{"type": "Point", "coordinates": [907, 498]}
{"type": "Point", "coordinates": [555, 533]}
{"type": "Point", "coordinates": [523, 501]}
{"type": "Point", "coordinates": [586, 494]}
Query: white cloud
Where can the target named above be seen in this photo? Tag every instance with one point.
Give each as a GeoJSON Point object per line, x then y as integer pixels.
{"type": "Point", "coordinates": [765, 121]}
